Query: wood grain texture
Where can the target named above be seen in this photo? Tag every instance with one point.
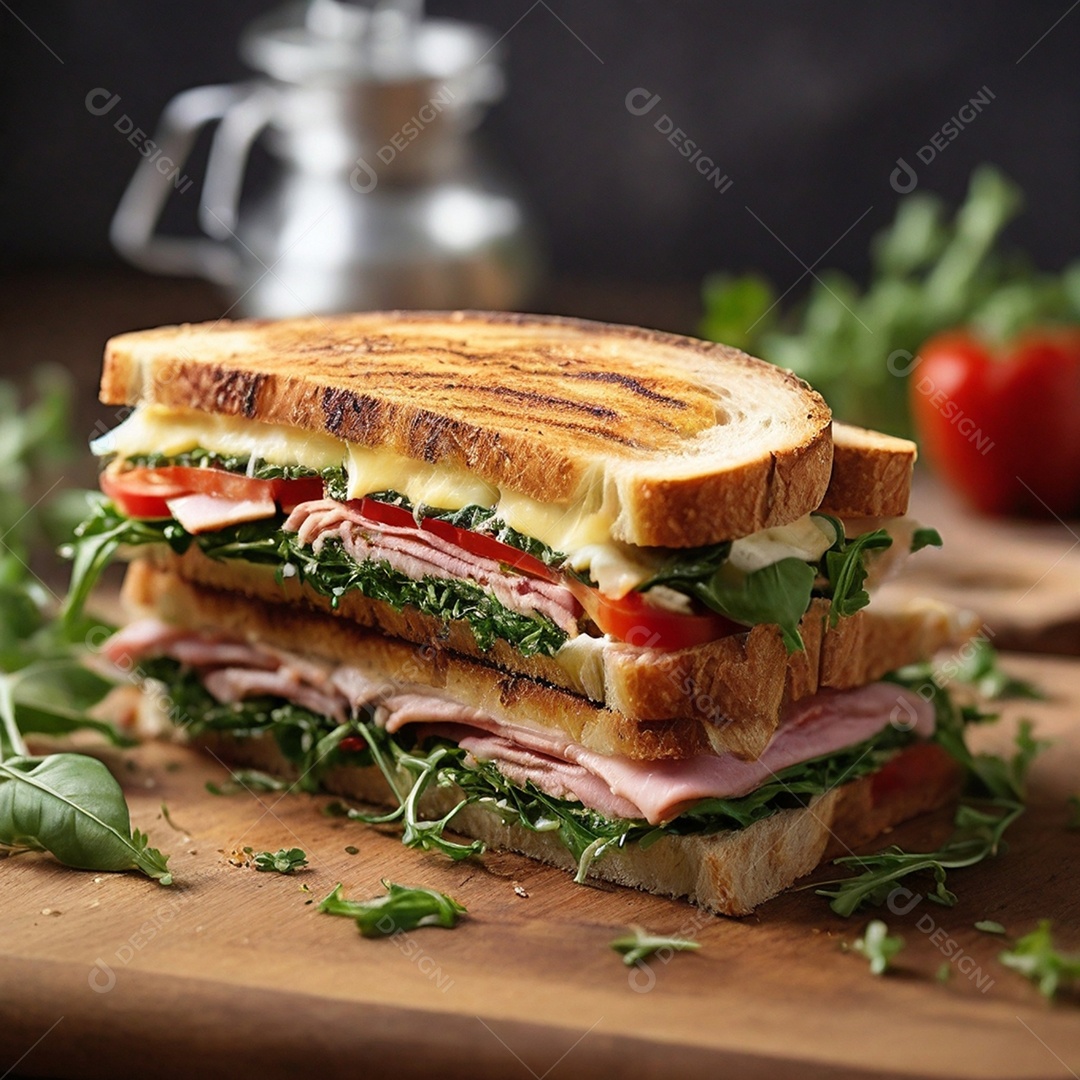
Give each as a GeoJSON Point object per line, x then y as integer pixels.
{"type": "Point", "coordinates": [231, 973]}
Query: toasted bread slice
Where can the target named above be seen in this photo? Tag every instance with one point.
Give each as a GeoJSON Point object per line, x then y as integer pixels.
{"type": "Point", "coordinates": [689, 443]}
{"type": "Point", "coordinates": [871, 473]}
{"type": "Point", "coordinates": [728, 695]}
{"type": "Point", "coordinates": [729, 872]}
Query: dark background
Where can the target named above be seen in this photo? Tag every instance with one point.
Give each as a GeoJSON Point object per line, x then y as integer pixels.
{"type": "Point", "coordinates": [805, 106]}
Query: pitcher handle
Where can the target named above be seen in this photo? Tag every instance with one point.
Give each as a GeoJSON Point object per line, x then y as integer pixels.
{"type": "Point", "coordinates": [133, 229]}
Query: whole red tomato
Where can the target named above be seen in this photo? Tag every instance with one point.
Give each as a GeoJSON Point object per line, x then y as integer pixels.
{"type": "Point", "coordinates": [1002, 425]}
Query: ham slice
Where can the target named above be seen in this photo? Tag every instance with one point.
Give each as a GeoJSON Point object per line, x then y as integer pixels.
{"type": "Point", "coordinates": [610, 784]}
{"type": "Point", "coordinates": [208, 513]}
{"type": "Point", "coordinates": [418, 553]}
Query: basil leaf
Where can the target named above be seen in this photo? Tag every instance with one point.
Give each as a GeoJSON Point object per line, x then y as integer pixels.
{"type": "Point", "coordinates": [778, 594]}
{"type": "Point", "coordinates": [71, 806]}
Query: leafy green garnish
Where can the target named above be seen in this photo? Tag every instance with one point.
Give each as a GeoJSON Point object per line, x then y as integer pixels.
{"type": "Point", "coordinates": [978, 835]}
{"type": "Point", "coordinates": [989, 926]}
{"type": "Point", "coordinates": [979, 666]}
{"type": "Point", "coordinates": [283, 861]}
{"type": "Point", "coordinates": [1036, 958]}
{"type": "Point", "coordinates": [71, 806]}
{"type": "Point", "coordinates": [404, 907]}
{"type": "Point", "coordinates": [924, 537]}
{"type": "Point", "coordinates": [878, 946]}
{"type": "Point", "coordinates": [331, 571]}
{"type": "Point", "coordinates": [639, 944]}
{"type": "Point", "coordinates": [247, 780]}
{"type": "Point", "coordinates": [929, 273]}
{"type": "Point", "coordinates": [844, 567]}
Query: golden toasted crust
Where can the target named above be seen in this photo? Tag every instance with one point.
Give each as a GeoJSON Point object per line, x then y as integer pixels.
{"type": "Point", "coordinates": [871, 474]}
{"type": "Point", "coordinates": [724, 696]}
{"type": "Point", "coordinates": [693, 442]}
{"type": "Point", "coordinates": [730, 873]}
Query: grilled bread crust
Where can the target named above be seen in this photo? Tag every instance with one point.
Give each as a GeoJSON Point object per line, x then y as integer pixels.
{"type": "Point", "coordinates": [728, 695]}
{"type": "Point", "coordinates": [871, 474]}
{"type": "Point", "coordinates": [691, 442]}
{"type": "Point", "coordinates": [729, 873]}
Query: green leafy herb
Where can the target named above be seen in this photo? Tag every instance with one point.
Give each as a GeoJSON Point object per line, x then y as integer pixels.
{"type": "Point", "coordinates": [403, 908]}
{"type": "Point", "coordinates": [929, 272]}
{"type": "Point", "coordinates": [989, 926]}
{"type": "Point", "coordinates": [979, 667]}
{"type": "Point", "coordinates": [844, 566]}
{"type": "Point", "coordinates": [878, 946]}
{"type": "Point", "coordinates": [284, 861]}
{"type": "Point", "coordinates": [331, 571]}
{"type": "Point", "coordinates": [247, 780]}
{"type": "Point", "coordinates": [943, 973]}
{"type": "Point", "coordinates": [924, 537]}
{"type": "Point", "coordinates": [71, 806]}
{"type": "Point", "coordinates": [639, 944]}
{"type": "Point", "coordinates": [978, 836]}
{"type": "Point", "coordinates": [1036, 958]}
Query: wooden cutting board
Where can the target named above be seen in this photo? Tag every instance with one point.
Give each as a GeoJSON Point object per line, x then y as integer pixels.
{"type": "Point", "coordinates": [233, 972]}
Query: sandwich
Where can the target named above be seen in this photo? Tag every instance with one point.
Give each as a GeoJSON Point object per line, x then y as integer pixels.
{"type": "Point", "coordinates": [596, 594]}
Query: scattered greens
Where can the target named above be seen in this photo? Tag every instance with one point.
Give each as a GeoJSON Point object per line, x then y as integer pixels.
{"type": "Point", "coordinates": [989, 926]}
{"type": "Point", "coordinates": [403, 908]}
{"type": "Point", "coordinates": [878, 946]}
{"type": "Point", "coordinates": [978, 835]}
{"type": "Point", "coordinates": [639, 944]}
{"type": "Point", "coordinates": [1035, 957]}
{"type": "Point", "coordinates": [284, 861]}
{"type": "Point", "coordinates": [929, 273]}
{"type": "Point", "coordinates": [979, 667]}
{"type": "Point", "coordinates": [66, 804]}
{"type": "Point", "coordinates": [998, 783]}
{"type": "Point", "coordinates": [247, 780]}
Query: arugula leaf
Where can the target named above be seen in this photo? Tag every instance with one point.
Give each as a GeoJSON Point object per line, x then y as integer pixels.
{"type": "Point", "coordinates": [978, 836]}
{"type": "Point", "coordinates": [639, 944]}
{"type": "Point", "coordinates": [404, 907]}
{"type": "Point", "coordinates": [331, 571]}
{"type": "Point", "coordinates": [844, 567]}
{"type": "Point", "coordinates": [989, 926]}
{"type": "Point", "coordinates": [284, 861]}
{"type": "Point", "coordinates": [247, 780]}
{"type": "Point", "coordinates": [878, 946]}
{"type": "Point", "coordinates": [71, 806]}
{"type": "Point", "coordinates": [1036, 958]}
{"type": "Point", "coordinates": [925, 537]}
{"type": "Point", "coordinates": [979, 666]}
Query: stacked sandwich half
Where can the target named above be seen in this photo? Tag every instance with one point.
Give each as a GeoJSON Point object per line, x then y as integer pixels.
{"type": "Point", "coordinates": [591, 593]}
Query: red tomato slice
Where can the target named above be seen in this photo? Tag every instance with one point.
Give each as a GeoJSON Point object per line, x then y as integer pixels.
{"type": "Point", "coordinates": [632, 619]}
{"type": "Point", "coordinates": [143, 493]}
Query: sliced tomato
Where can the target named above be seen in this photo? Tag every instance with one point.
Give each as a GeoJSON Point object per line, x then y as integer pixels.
{"type": "Point", "coordinates": [143, 492]}
{"type": "Point", "coordinates": [631, 618]}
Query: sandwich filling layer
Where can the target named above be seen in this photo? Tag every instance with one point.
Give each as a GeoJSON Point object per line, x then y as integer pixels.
{"type": "Point", "coordinates": [312, 507]}
{"type": "Point", "coordinates": [247, 683]}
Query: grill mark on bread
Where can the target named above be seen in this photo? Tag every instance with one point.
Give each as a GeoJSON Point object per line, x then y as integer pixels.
{"type": "Point", "coordinates": [629, 383]}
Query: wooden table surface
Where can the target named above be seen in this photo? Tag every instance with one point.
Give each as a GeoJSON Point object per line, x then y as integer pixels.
{"type": "Point", "coordinates": [232, 972]}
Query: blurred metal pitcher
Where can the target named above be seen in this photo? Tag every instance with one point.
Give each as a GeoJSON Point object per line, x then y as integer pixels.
{"type": "Point", "coordinates": [380, 197]}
